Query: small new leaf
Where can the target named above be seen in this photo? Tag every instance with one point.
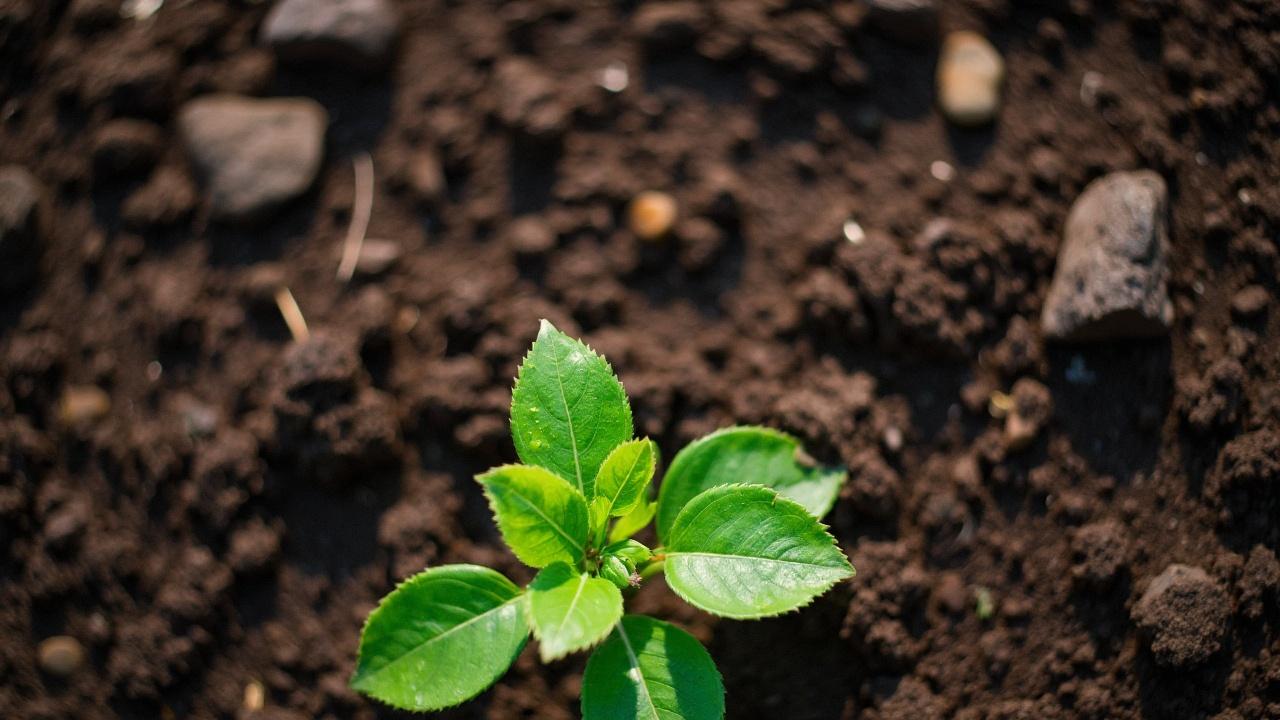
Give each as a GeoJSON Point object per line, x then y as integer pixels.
{"type": "Point", "coordinates": [412, 645]}
{"type": "Point", "coordinates": [625, 474]}
{"type": "Point", "coordinates": [542, 518]}
{"type": "Point", "coordinates": [570, 610]}
{"type": "Point", "coordinates": [568, 410]}
{"type": "Point", "coordinates": [743, 551]}
{"type": "Point", "coordinates": [633, 522]}
{"type": "Point", "coordinates": [752, 455]}
{"type": "Point", "coordinates": [650, 670]}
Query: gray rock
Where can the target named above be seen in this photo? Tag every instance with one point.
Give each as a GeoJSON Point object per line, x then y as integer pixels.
{"type": "Point", "coordinates": [253, 155]}
{"type": "Point", "coordinates": [1112, 276]}
{"type": "Point", "coordinates": [21, 197]}
{"type": "Point", "coordinates": [914, 22]}
{"type": "Point", "coordinates": [335, 32]}
{"type": "Point", "coordinates": [1184, 614]}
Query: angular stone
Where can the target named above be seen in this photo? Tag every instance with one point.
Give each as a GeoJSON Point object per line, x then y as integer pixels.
{"type": "Point", "coordinates": [1112, 276]}
{"type": "Point", "coordinates": [253, 155]}
{"type": "Point", "coordinates": [335, 32]}
{"type": "Point", "coordinates": [21, 198]}
{"type": "Point", "coordinates": [970, 75]}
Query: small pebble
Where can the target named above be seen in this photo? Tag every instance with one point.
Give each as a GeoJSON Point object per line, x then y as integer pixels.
{"type": "Point", "coordinates": [255, 696]}
{"type": "Point", "coordinates": [970, 74]}
{"type": "Point", "coordinates": [60, 655]}
{"type": "Point", "coordinates": [893, 438]}
{"type": "Point", "coordinates": [942, 171]}
{"type": "Point", "coordinates": [83, 404]}
{"type": "Point", "coordinates": [378, 256]}
{"type": "Point", "coordinates": [531, 235]}
{"type": "Point", "coordinates": [337, 33]}
{"type": "Point", "coordinates": [614, 77]}
{"type": "Point", "coordinates": [1250, 301]}
{"type": "Point", "coordinates": [853, 232]}
{"type": "Point", "coordinates": [651, 214]}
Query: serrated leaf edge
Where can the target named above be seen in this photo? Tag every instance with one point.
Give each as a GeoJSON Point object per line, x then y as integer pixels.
{"type": "Point", "coordinates": [528, 610]}
{"type": "Point", "coordinates": [797, 445]}
{"type": "Point", "coordinates": [777, 498]}
{"type": "Point", "coordinates": [582, 546]}
{"type": "Point", "coordinates": [543, 325]}
{"type": "Point", "coordinates": [635, 660]}
{"type": "Point", "coordinates": [519, 596]}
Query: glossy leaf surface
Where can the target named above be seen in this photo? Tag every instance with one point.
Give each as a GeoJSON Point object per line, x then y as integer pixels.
{"type": "Point", "coordinates": [625, 475]}
{"type": "Point", "coordinates": [571, 610]}
{"type": "Point", "coordinates": [440, 638]}
{"type": "Point", "coordinates": [568, 410]}
{"type": "Point", "coordinates": [651, 670]}
{"type": "Point", "coordinates": [750, 455]}
{"type": "Point", "coordinates": [542, 518]}
{"type": "Point", "coordinates": [744, 551]}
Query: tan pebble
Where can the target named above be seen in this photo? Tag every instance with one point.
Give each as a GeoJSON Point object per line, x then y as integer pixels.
{"type": "Point", "coordinates": [60, 655]}
{"type": "Point", "coordinates": [82, 404]}
{"type": "Point", "coordinates": [255, 696]}
{"type": "Point", "coordinates": [651, 214]}
{"type": "Point", "coordinates": [378, 256]}
{"type": "Point", "coordinates": [1019, 431]}
{"type": "Point", "coordinates": [970, 74]}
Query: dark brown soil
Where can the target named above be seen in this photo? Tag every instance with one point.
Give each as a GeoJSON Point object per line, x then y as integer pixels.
{"type": "Point", "coordinates": [244, 501]}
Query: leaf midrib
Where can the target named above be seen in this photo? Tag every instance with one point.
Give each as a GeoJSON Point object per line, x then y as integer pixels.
{"type": "Point", "coordinates": [613, 501]}
{"type": "Point", "coordinates": [753, 558]}
{"type": "Point", "coordinates": [568, 418]}
{"type": "Point", "coordinates": [446, 633]}
{"type": "Point", "coordinates": [554, 525]}
{"type": "Point", "coordinates": [573, 604]}
{"type": "Point", "coordinates": [635, 663]}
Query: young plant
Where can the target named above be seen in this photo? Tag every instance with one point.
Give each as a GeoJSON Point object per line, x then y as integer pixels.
{"type": "Point", "coordinates": [739, 537]}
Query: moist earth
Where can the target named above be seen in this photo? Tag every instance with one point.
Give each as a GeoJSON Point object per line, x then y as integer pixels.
{"type": "Point", "coordinates": [198, 509]}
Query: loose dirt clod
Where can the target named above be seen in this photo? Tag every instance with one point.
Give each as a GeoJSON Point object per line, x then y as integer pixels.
{"type": "Point", "coordinates": [1184, 613]}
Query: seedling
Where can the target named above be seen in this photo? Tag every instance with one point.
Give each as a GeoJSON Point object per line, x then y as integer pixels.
{"type": "Point", "coordinates": [739, 537]}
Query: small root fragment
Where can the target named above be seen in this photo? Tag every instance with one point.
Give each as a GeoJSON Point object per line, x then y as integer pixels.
{"type": "Point", "coordinates": [361, 211]}
{"type": "Point", "coordinates": [292, 315]}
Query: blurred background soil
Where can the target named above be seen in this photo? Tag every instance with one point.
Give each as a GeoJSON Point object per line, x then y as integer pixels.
{"type": "Point", "coordinates": [197, 510]}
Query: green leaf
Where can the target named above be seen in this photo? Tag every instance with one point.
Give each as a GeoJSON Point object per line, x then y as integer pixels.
{"type": "Point", "coordinates": [752, 455]}
{"type": "Point", "coordinates": [440, 638]}
{"type": "Point", "coordinates": [625, 474]}
{"type": "Point", "coordinates": [633, 522]}
{"type": "Point", "coordinates": [568, 410]}
{"type": "Point", "coordinates": [650, 670]}
{"type": "Point", "coordinates": [744, 551]}
{"type": "Point", "coordinates": [571, 610]}
{"type": "Point", "coordinates": [542, 518]}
